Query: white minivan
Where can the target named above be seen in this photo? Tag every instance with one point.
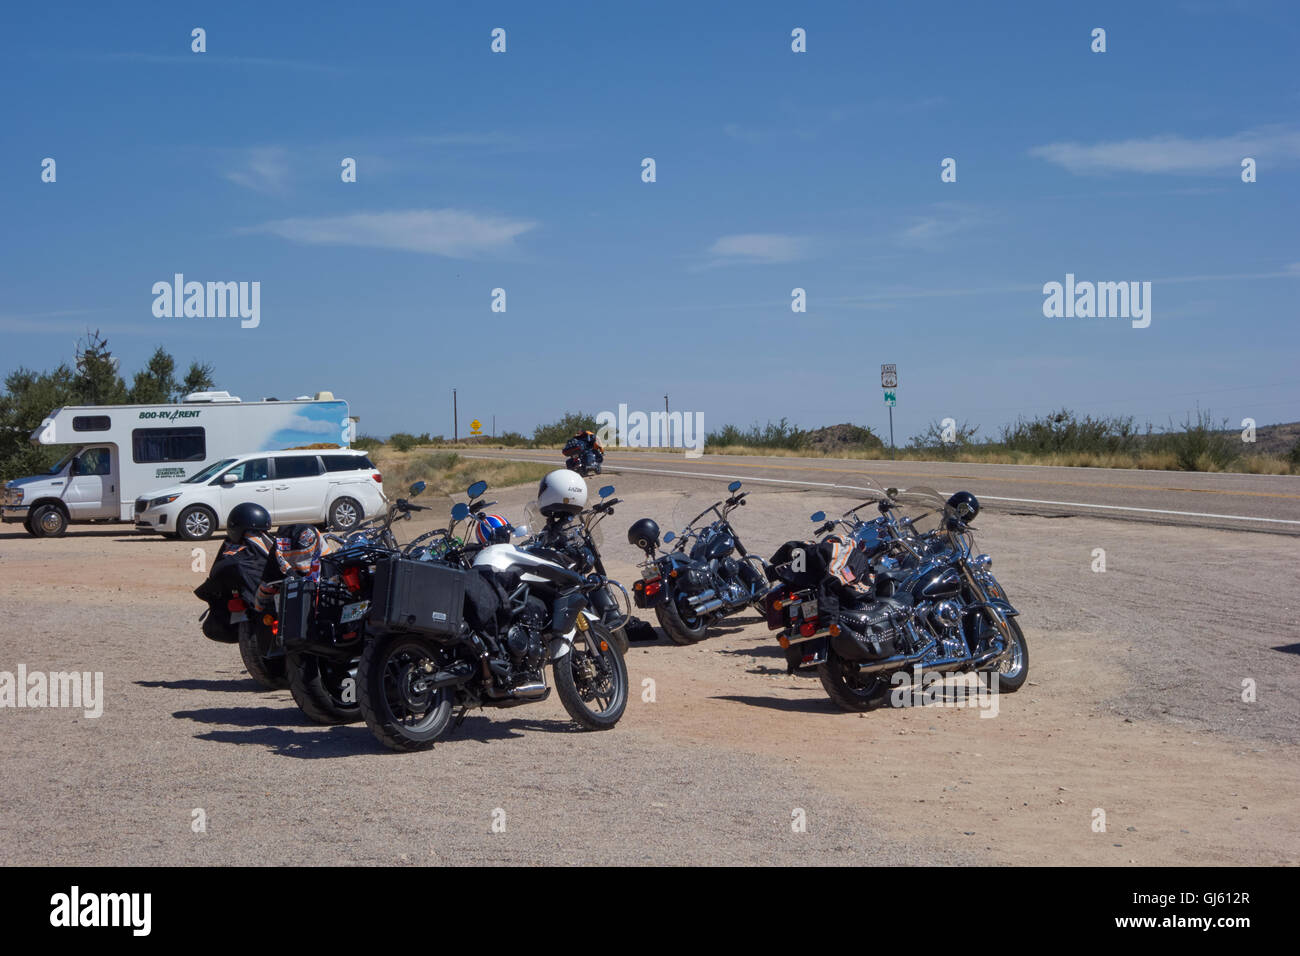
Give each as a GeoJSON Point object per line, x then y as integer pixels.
{"type": "Point", "coordinates": [336, 487]}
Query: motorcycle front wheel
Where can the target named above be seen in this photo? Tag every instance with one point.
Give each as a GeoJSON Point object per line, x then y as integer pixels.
{"type": "Point", "coordinates": [591, 679]}
{"type": "Point", "coordinates": [849, 689]}
{"type": "Point", "coordinates": [400, 711]}
{"type": "Point", "coordinates": [688, 628]}
{"type": "Point", "coordinates": [1014, 670]}
{"type": "Point", "coordinates": [325, 690]}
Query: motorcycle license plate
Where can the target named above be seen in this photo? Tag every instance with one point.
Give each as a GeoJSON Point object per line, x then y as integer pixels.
{"type": "Point", "coordinates": [238, 617]}
{"type": "Point", "coordinates": [354, 612]}
{"type": "Point", "coordinates": [810, 609]}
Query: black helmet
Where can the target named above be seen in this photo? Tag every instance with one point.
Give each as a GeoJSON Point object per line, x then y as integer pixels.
{"type": "Point", "coordinates": [964, 506]}
{"type": "Point", "coordinates": [644, 534]}
{"type": "Point", "coordinates": [246, 517]}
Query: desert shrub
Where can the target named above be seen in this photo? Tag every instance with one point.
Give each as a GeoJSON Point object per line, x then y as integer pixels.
{"type": "Point", "coordinates": [557, 433]}
{"type": "Point", "coordinates": [367, 442]}
{"type": "Point", "coordinates": [402, 441]}
{"type": "Point", "coordinates": [772, 435]}
{"type": "Point", "coordinates": [1199, 443]}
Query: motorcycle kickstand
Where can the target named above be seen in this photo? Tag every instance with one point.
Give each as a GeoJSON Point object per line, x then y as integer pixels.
{"type": "Point", "coordinates": [460, 718]}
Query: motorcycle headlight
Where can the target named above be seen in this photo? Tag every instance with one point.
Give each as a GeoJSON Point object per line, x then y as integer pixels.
{"type": "Point", "coordinates": [165, 500]}
{"type": "Point", "coordinates": [981, 561]}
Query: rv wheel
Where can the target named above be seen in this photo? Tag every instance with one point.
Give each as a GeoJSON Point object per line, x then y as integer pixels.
{"type": "Point", "coordinates": [48, 521]}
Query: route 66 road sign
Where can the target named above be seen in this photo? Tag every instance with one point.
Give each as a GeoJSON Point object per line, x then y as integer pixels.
{"type": "Point", "coordinates": [889, 376]}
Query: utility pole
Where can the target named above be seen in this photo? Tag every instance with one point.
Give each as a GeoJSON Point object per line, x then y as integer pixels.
{"type": "Point", "coordinates": [455, 419]}
{"type": "Point", "coordinates": [668, 422]}
{"type": "Point", "coordinates": [494, 426]}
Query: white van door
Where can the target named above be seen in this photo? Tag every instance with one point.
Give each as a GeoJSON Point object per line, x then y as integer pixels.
{"type": "Point", "coordinates": [252, 482]}
{"type": "Point", "coordinates": [299, 488]}
{"type": "Point", "coordinates": [92, 489]}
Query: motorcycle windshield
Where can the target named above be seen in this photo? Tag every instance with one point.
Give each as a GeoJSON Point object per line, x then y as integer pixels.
{"type": "Point", "coordinates": [687, 509]}
{"type": "Point", "coordinates": [924, 506]}
{"type": "Point", "coordinates": [865, 490]}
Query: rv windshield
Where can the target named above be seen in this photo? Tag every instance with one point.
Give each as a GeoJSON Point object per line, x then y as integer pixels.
{"type": "Point", "coordinates": [63, 462]}
{"type": "Point", "coordinates": [210, 471]}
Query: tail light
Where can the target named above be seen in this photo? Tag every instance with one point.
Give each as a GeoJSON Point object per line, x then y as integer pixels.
{"type": "Point", "coordinates": [653, 587]}
{"type": "Point", "coordinates": [379, 478]}
{"type": "Point", "coordinates": [808, 628]}
{"type": "Point", "coordinates": [236, 604]}
{"type": "Point", "coordinates": [352, 578]}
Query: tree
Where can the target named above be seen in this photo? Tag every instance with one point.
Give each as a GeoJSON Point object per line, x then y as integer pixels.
{"type": "Point", "coordinates": [96, 381]}
{"type": "Point", "coordinates": [197, 379]}
{"type": "Point", "coordinates": [155, 384]}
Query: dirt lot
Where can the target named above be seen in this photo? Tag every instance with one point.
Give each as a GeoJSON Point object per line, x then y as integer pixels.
{"type": "Point", "coordinates": [1134, 707]}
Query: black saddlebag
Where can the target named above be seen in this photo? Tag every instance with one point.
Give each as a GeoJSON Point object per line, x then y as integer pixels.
{"type": "Point", "coordinates": [419, 596]}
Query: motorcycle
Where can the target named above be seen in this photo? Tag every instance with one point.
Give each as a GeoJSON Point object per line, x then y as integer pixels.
{"type": "Point", "coordinates": [573, 541]}
{"type": "Point", "coordinates": [701, 580]}
{"type": "Point", "coordinates": [476, 626]}
{"type": "Point", "coordinates": [311, 627]}
{"type": "Point", "coordinates": [928, 601]}
{"type": "Point", "coordinates": [582, 458]}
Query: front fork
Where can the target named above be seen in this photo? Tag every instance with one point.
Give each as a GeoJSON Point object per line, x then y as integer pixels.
{"type": "Point", "coordinates": [995, 613]}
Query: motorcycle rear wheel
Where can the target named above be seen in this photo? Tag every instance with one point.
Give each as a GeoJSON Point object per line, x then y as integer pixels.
{"type": "Point", "coordinates": [850, 690]}
{"type": "Point", "coordinates": [269, 672]}
{"type": "Point", "coordinates": [679, 629]}
{"type": "Point", "coordinates": [401, 715]}
{"type": "Point", "coordinates": [320, 688]}
{"type": "Point", "coordinates": [588, 674]}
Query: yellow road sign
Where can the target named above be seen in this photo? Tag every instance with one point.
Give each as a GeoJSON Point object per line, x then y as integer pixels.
{"type": "Point", "coordinates": [476, 427]}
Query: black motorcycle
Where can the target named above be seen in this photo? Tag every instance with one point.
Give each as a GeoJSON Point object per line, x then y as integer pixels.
{"type": "Point", "coordinates": [582, 458]}
{"type": "Point", "coordinates": [465, 626]}
{"type": "Point", "coordinates": [573, 541]}
{"type": "Point", "coordinates": [874, 599]}
{"type": "Point", "coordinates": [706, 576]}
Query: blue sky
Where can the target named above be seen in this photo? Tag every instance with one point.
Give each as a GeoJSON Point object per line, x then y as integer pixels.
{"type": "Point", "coordinates": [775, 170]}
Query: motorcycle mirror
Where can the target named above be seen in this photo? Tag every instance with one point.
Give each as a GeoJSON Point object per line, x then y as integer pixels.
{"type": "Point", "coordinates": [892, 492]}
{"type": "Point", "coordinates": [606, 491]}
{"type": "Point", "coordinates": [418, 487]}
{"type": "Point", "coordinates": [669, 537]}
{"type": "Point", "coordinates": [733, 487]}
{"type": "Point", "coordinates": [476, 489]}
{"type": "Point", "coordinates": [460, 512]}
{"type": "Point", "coordinates": [818, 516]}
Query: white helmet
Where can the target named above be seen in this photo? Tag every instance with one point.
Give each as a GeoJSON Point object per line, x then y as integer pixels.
{"type": "Point", "coordinates": [562, 492]}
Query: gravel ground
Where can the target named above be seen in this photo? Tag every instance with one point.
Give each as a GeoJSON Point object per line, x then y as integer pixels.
{"type": "Point", "coordinates": [1134, 707]}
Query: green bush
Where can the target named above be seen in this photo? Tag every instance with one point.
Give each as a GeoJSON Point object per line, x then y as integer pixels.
{"type": "Point", "coordinates": [402, 441]}
{"type": "Point", "coordinates": [1199, 441]}
{"type": "Point", "coordinates": [367, 442]}
{"type": "Point", "coordinates": [772, 435]}
{"type": "Point", "coordinates": [1063, 431]}
{"type": "Point", "coordinates": [557, 433]}
{"type": "Point", "coordinates": [514, 439]}
{"type": "Point", "coordinates": [932, 440]}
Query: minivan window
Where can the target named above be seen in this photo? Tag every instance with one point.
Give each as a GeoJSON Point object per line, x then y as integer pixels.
{"type": "Point", "coordinates": [347, 463]}
{"type": "Point", "coordinates": [91, 423]}
{"type": "Point", "coordinates": [255, 469]}
{"type": "Point", "coordinates": [150, 445]}
{"type": "Point", "coordinates": [209, 471]}
{"type": "Point", "coordinates": [297, 466]}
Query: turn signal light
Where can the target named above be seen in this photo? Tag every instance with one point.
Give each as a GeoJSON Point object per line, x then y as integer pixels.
{"type": "Point", "coordinates": [268, 619]}
{"type": "Point", "coordinates": [835, 630]}
{"type": "Point", "coordinates": [783, 641]}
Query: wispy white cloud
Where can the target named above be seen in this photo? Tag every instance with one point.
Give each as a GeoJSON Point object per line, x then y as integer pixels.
{"type": "Point", "coordinates": [758, 247]}
{"type": "Point", "coordinates": [943, 219]}
{"type": "Point", "coordinates": [1167, 153]}
{"type": "Point", "coordinates": [453, 233]}
{"type": "Point", "coordinates": [264, 169]}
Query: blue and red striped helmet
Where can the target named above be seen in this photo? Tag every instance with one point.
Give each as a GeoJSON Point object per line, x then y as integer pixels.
{"type": "Point", "coordinates": [489, 529]}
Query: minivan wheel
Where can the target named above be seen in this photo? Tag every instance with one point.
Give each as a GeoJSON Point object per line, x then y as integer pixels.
{"type": "Point", "coordinates": [345, 514]}
{"type": "Point", "coordinates": [48, 521]}
{"type": "Point", "coordinates": [196, 523]}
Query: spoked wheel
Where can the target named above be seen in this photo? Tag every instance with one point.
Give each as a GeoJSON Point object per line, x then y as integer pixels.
{"type": "Point", "coordinates": [400, 707]}
{"type": "Point", "coordinates": [1013, 670]}
{"type": "Point", "coordinates": [325, 690]}
{"type": "Point", "coordinates": [267, 671]}
{"type": "Point", "coordinates": [849, 689]}
{"type": "Point", "coordinates": [592, 679]}
{"type": "Point", "coordinates": [679, 620]}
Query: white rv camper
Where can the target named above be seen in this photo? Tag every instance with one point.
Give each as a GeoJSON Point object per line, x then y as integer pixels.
{"type": "Point", "coordinates": [118, 453]}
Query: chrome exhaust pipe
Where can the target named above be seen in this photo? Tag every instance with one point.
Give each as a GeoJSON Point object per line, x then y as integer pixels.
{"type": "Point", "coordinates": [709, 606]}
{"type": "Point", "coordinates": [530, 690]}
{"type": "Point", "coordinates": [702, 597]}
{"type": "Point", "coordinates": [894, 663]}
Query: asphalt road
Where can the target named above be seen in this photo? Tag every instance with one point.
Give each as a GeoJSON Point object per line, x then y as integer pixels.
{"type": "Point", "coordinates": [1228, 501]}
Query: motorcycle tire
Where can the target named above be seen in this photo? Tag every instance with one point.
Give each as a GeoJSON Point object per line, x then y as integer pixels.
{"type": "Point", "coordinates": [1016, 673]}
{"type": "Point", "coordinates": [577, 688]}
{"type": "Point", "coordinates": [676, 627]}
{"type": "Point", "coordinates": [399, 721]}
{"type": "Point", "coordinates": [269, 672]}
{"type": "Point", "coordinates": [849, 691]}
{"type": "Point", "coordinates": [320, 688]}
